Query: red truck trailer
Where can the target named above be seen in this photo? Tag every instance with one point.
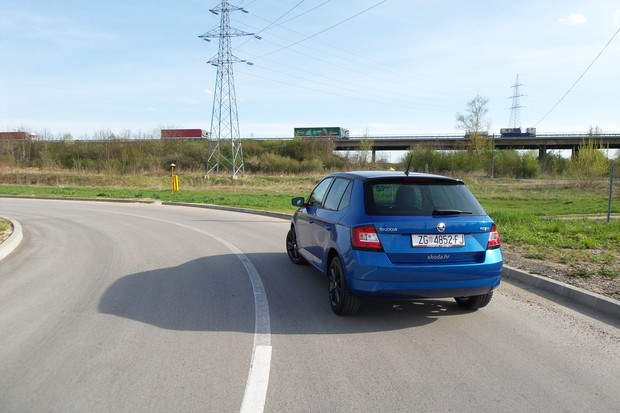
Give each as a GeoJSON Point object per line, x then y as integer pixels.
{"type": "Point", "coordinates": [18, 136]}
{"type": "Point", "coordinates": [184, 134]}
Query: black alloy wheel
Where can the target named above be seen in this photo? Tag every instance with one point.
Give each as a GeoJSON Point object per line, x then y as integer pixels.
{"type": "Point", "coordinates": [291, 248]}
{"type": "Point", "coordinates": [340, 298]}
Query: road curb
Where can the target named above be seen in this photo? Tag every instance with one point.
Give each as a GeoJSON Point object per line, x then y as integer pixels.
{"type": "Point", "coordinates": [9, 245]}
{"type": "Point", "coordinates": [280, 215]}
{"type": "Point", "coordinates": [578, 295]}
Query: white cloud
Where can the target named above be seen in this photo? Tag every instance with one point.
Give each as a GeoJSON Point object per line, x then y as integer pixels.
{"type": "Point", "coordinates": [573, 19]}
{"type": "Point", "coordinates": [617, 18]}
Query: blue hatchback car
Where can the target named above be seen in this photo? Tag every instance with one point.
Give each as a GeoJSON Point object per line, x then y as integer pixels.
{"type": "Point", "coordinates": [396, 235]}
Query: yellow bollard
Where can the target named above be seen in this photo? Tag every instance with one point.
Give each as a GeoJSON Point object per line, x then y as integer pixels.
{"type": "Point", "coordinates": [175, 179]}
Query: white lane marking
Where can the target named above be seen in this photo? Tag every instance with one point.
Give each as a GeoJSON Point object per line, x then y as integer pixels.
{"type": "Point", "coordinates": [258, 380]}
{"type": "Point", "coordinates": [258, 376]}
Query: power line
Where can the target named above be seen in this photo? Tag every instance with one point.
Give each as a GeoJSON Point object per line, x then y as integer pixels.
{"type": "Point", "coordinates": [397, 98]}
{"type": "Point", "coordinates": [332, 88]}
{"type": "Point", "coordinates": [303, 14]}
{"type": "Point", "coordinates": [273, 23]}
{"type": "Point", "coordinates": [377, 66]}
{"type": "Point", "coordinates": [322, 31]}
{"type": "Point", "coordinates": [577, 81]}
{"type": "Point", "coordinates": [347, 93]}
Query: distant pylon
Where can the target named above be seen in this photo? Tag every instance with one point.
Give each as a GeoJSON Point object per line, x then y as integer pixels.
{"type": "Point", "coordinates": [224, 118]}
{"type": "Point", "coordinates": [515, 115]}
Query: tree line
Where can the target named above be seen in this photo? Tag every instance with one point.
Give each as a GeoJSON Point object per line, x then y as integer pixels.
{"type": "Point", "coordinates": [140, 154]}
{"type": "Point", "coordinates": [295, 156]}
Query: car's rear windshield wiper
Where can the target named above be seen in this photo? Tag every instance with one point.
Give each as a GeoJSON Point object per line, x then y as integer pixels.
{"type": "Point", "coordinates": [451, 212]}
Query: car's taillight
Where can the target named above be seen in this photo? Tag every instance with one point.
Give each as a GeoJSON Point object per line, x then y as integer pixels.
{"type": "Point", "coordinates": [494, 241]}
{"type": "Point", "coordinates": [366, 238]}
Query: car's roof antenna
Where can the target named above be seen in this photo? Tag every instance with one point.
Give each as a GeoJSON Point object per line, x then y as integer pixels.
{"type": "Point", "coordinates": [409, 165]}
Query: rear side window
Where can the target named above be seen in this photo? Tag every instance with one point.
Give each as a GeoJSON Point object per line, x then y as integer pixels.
{"type": "Point", "coordinates": [419, 197]}
{"type": "Point", "coordinates": [339, 195]}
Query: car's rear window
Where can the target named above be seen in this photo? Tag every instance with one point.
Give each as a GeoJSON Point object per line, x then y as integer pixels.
{"type": "Point", "coordinates": [419, 197]}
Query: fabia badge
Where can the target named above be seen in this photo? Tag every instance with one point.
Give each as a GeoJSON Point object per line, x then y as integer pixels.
{"type": "Point", "coordinates": [441, 227]}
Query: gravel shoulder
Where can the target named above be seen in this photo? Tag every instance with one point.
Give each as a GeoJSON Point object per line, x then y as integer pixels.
{"type": "Point", "coordinates": [608, 287]}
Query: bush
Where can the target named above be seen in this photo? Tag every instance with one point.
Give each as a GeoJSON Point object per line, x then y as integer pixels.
{"type": "Point", "coordinates": [555, 164]}
{"type": "Point", "coordinates": [272, 163]}
{"type": "Point", "coordinates": [422, 158]}
{"type": "Point", "coordinates": [588, 164]}
{"type": "Point", "coordinates": [506, 163]}
{"type": "Point", "coordinates": [530, 167]}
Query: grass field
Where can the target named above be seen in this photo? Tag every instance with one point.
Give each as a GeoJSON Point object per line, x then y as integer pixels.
{"type": "Point", "coordinates": [545, 219]}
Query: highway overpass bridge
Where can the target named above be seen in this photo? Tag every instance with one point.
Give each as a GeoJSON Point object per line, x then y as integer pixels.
{"type": "Point", "coordinates": [540, 142]}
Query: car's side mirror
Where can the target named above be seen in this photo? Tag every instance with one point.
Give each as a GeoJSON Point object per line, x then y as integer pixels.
{"type": "Point", "coordinates": [298, 201]}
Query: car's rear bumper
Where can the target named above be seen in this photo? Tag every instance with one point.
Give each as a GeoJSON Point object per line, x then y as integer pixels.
{"type": "Point", "coordinates": [372, 275]}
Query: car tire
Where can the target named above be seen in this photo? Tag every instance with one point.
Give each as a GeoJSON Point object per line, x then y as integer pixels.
{"type": "Point", "coordinates": [291, 248]}
{"type": "Point", "coordinates": [474, 302]}
{"type": "Point", "coordinates": [340, 298]}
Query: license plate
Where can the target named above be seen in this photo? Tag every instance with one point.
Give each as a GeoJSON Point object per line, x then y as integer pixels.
{"type": "Point", "coordinates": [438, 240]}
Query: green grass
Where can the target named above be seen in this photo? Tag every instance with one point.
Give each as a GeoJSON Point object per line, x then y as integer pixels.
{"type": "Point", "coordinates": [540, 198]}
{"type": "Point", "coordinates": [253, 199]}
{"type": "Point", "coordinates": [555, 221]}
{"type": "Point", "coordinates": [272, 192]}
{"type": "Point", "coordinates": [544, 220]}
{"type": "Point", "coordinates": [609, 273]}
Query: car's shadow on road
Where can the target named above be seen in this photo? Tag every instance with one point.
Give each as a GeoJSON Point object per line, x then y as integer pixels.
{"type": "Point", "coordinates": [215, 294]}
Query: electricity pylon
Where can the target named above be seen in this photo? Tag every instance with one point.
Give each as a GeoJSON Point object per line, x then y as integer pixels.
{"type": "Point", "coordinates": [515, 115]}
{"type": "Point", "coordinates": [224, 118]}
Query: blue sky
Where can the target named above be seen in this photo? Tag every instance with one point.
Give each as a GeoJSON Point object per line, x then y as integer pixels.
{"type": "Point", "coordinates": [372, 66]}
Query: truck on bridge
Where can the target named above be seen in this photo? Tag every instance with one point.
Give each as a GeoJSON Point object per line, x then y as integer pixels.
{"type": "Point", "coordinates": [321, 132]}
{"type": "Point", "coordinates": [516, 132]}
{"type": "Point", "coordinates": [18, 136]}
{"type": "Point", "coordinates": [168, 134]}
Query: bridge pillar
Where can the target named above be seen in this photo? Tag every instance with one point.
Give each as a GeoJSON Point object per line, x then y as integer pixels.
{"type": "Point", "coordinates": [542, 157]}
{"type": "Point", "coordinates": [374, 155]}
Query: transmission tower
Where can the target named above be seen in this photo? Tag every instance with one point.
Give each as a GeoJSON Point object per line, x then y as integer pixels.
{"type": "Point", "coordinates": [224, 118]}
{"type": "Point", "coordinates": [515, 115]}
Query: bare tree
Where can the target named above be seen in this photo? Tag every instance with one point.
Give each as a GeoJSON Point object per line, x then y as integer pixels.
{"type": "Point", "coordinates": [474, 121]}
{"type": "Point", "coordinates": [475, 124]}
{"type": "Point", "coordinates": [594, 130]}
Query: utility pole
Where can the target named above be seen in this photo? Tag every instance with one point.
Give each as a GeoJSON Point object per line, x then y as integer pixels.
{"type": "Point", "coordinates": [225, 151]}
{"type": "Point", "coordinates": [515, 115]}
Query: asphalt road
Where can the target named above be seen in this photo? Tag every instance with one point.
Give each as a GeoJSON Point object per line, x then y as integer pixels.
{"type": "Point", "coordinates": [150, 308]}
